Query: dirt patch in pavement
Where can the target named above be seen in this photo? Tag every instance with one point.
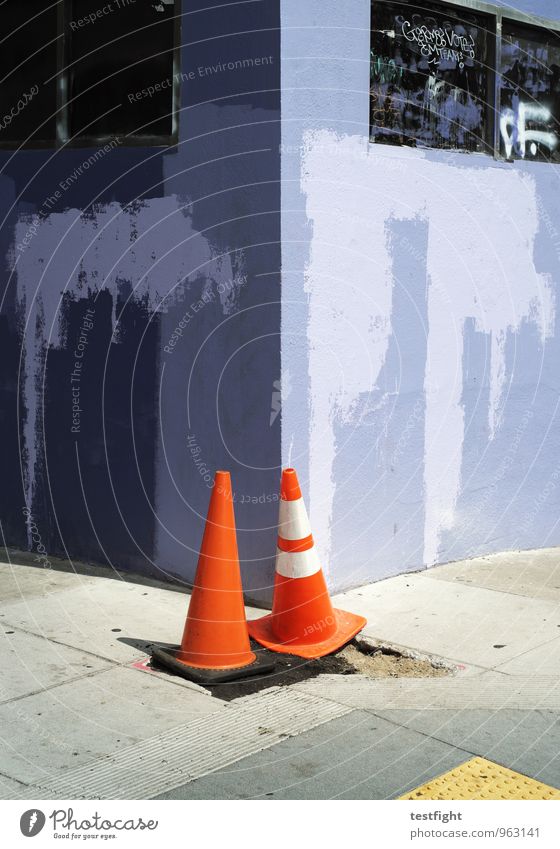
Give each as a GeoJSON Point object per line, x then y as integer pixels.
{"type": "Point", "coordinates": [388, 663]}
{"type": "Point", "coordinates": [357, 658]}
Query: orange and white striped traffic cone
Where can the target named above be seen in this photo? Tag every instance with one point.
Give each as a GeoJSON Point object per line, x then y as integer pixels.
{"type": "Point", "coordinates": [303, 621]}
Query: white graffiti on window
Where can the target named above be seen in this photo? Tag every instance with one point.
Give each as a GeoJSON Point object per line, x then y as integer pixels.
{"type": "Point", "coordinates": [516, 136]}
{"type": "Point", "coordinates": [438, 44]}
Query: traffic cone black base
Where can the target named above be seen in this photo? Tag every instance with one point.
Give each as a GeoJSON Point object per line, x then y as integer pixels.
{"type": "Point", "coordinates": [263, 664]}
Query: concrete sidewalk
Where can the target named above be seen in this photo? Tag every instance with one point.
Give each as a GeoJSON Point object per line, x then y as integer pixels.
{"type": "Point", "coordinates": [82, 716]}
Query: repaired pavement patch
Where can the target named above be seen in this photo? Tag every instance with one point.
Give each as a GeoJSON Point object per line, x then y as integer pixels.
{"type": "Point", "coordinates": [357, 658]}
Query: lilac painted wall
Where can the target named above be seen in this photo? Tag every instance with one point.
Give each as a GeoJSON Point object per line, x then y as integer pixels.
{"type": "Point", "coordinates": [420, 337]}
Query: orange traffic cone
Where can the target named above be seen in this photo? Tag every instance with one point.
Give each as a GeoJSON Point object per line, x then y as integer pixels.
{"type": "Point", "coordinates": [303, 621]}
{"type": "Point", "coordinates": [215, 645]}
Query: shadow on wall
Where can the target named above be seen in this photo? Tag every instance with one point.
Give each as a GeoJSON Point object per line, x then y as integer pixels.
{"type": "Point", "coordinates": [449, 305]}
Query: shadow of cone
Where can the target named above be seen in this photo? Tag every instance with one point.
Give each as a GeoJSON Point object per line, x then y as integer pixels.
{"type": "Point", "coordinates": [215, 646]}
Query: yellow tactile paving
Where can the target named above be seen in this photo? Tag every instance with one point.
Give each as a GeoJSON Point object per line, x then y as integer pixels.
{"type": "Point", "coordinates": [482, 779]}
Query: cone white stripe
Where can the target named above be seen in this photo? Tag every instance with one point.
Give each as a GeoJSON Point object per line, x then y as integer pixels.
{"type": "Point", "coordinates": [297, 564]}
{"type": "Point", "coordinates": [292, 520]}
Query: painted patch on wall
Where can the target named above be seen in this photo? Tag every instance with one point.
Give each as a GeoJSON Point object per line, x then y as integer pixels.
{"type": "Point", "coordinates": [94, 289]}
{"type": "Point", "coordinates": [480, 269]}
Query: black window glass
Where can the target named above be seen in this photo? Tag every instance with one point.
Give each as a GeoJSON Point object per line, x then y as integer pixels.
{"type": "Point", "coordinates": [28, 64]}
{"type": "Point", "coordinates": [430, 72]}
{"type": "Point", "coordinates": [121, 67]}
{"type": "Point", "coordinates": [529, 93]}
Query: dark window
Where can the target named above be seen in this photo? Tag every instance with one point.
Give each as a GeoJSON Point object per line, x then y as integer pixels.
{"type": "Point", "coordinates": [431, 77]}
{"type": "Point", "coordinates": [81, 70]}
{"type": "Point", "coordinates": [28, 56]}
{"type": "Point", "coordinates": [115, 62]}
{"type": "Point", "coordinates": [529, 93]}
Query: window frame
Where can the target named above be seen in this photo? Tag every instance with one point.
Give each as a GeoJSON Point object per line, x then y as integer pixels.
{"type": "Point", "coordinates": [499, 14]}
{"type": "Point", "coordinates": [62, 137]}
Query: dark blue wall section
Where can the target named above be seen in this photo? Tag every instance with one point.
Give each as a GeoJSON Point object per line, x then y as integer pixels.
{"type": "Point", "coordinates": [95, 490]}
{"type": "Point", "coordinates": [165, 263]}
